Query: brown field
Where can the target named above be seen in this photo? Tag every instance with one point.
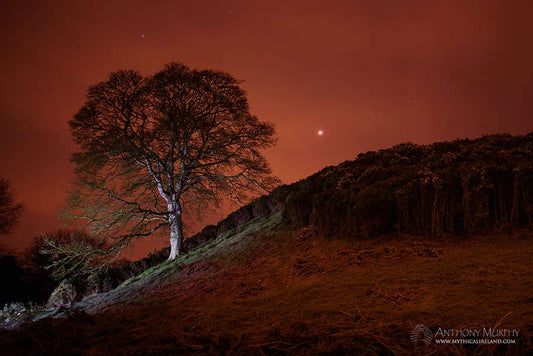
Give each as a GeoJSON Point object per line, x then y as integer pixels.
{"type": "Point", "coordinates": [270, 289]}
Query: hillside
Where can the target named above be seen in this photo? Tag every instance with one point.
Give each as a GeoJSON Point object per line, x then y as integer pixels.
{"type": "Point", "coordinates": [347, 261]}
{"type": "Point", "coordinates": [462, 186]}
{"type": "Point", "coordinates": [270, 288]}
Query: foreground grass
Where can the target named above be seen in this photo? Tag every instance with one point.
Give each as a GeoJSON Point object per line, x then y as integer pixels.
{"type": "Point", "coordinates": [269, 289]}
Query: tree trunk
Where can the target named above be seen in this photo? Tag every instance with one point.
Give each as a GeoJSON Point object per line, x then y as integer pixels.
{"type": "Point", "coordinates": [176, 235]}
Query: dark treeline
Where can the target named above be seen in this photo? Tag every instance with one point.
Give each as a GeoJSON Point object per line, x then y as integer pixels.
{"type": "Point", "coordinates": [22, 284]}
{"type": "Point", "coordinates": [471, 186]}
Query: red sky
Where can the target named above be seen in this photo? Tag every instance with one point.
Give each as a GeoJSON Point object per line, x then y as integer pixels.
{"type": "Point", "coordinates": [371, 74]}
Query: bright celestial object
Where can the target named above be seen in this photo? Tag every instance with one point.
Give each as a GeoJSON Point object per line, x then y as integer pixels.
{"type": "Point", "coordinates": [320, 132]}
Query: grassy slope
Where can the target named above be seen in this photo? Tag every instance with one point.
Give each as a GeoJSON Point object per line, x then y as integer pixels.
{"type": "Point", "coordinates": [269, 288]}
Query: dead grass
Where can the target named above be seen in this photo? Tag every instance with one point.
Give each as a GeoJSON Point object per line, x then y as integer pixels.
{"type": "Point", "coordinates": [268, 289]}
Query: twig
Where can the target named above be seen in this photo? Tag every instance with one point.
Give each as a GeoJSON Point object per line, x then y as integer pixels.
{"type": "Point", "coordinates": [500, 321]}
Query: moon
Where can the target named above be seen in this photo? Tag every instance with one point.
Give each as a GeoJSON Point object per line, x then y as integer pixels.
{"type": "Point", "coordinates": [320, 132]}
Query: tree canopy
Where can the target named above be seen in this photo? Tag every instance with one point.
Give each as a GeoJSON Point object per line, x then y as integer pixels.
{"type": "Point", "coordinates": [152, 147]}
{"type": "Point", "coordinates": [10, 211]}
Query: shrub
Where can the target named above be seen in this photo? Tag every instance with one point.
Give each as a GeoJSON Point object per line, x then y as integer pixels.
{"type": "Point", "coordinates": [63, 296]}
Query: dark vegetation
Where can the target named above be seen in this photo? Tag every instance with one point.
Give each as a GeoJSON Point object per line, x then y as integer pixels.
{"type": "Point", "coordinates": [464, 186]}
{"type": "Point", "coordinates": [19, 284]}
{"type": "Point", "coordinates": [10, 211]}
{"type": "Point", "coordinates": [16, 282]}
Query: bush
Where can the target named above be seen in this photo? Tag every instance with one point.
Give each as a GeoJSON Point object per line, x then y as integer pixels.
{"type": "Point", "coordinates": [63, 296]}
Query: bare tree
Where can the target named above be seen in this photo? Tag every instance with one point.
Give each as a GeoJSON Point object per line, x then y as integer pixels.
{"type": "Point", "coordinates": [72, 254]}
{"type": "Point", "coordinates": [10, 212]}
{"type": "Point", "coordinates": [152, 147]}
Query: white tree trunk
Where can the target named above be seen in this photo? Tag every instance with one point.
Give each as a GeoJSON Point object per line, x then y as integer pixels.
{"type": "Point", "coordinates": [173, 248]}
{"type": "Point", "coordinates": [176, 236]}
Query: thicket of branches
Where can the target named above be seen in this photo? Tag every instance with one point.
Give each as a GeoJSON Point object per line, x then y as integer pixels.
{"type": "Point", "coordinates": [73, 254]}
{"type": "Point", "coordinates": [10, 211]}
{"type": "Point", "coordinates": [447, 187]}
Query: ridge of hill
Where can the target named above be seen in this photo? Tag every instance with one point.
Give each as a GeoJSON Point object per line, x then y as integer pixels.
{"type": "Point", "coordinates": [457, 186]}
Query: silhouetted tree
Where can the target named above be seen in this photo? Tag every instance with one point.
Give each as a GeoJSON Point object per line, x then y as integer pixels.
{"type": "Point", "coordinates": [10, 212]}
{"type": "Point", "coordinates": [152, 147]}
